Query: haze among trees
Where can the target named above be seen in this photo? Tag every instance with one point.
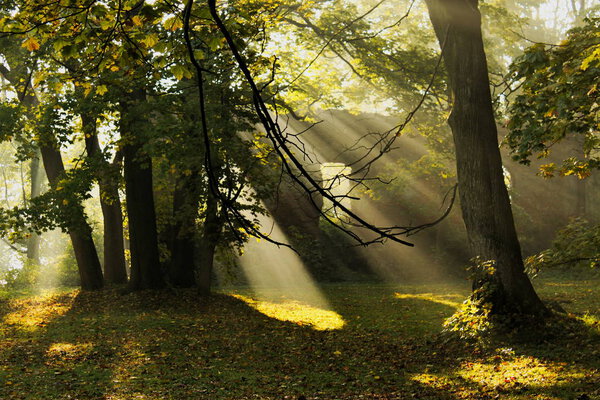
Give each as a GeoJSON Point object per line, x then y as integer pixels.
{"type": "Point", "coordinates": [402, 193]}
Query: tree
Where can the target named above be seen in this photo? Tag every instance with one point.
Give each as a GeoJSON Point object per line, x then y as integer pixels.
{"type": "Point", "coordinates": [75, 224]}
{"type": "Point", "coordinates": [143, 235]}
{"type": "Point", "coordinates": [484, 198]}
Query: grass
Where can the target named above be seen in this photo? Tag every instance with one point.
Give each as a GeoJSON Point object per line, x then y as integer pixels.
{"type": "Point", "coordinates": [373, 341]}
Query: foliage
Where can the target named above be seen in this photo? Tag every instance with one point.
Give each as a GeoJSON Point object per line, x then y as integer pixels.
{"type": "Point", "coordinates": [474, 318]}
{"type": "Point", "coordinates": [84, 59]}
{"type": "Point", "coordinates": [21, 278]}
{"type": "Point", "coordinates": [576, 246]}
{"type": "Point", "coordinates": [558, 99]}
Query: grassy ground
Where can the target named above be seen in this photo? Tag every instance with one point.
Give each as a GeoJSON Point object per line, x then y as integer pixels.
{"type": "Point", "coordinates": [373, 341]}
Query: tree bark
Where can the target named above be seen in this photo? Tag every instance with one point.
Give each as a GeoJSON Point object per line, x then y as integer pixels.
{"type": "Point", "coordinates": [484, 198]}
{"type": "Point", "coordinates": [115, 270]}
{"type": "Point", "coordinates": [183, 242]}
{"type": "Point", "coordinates": [211, 232]}
{"type": "Point", "coordinates": [143, 238]}
{"type": "Point", "coordinates": [90, 271]}
{"type": "Point", "coordinates": [36, 176]}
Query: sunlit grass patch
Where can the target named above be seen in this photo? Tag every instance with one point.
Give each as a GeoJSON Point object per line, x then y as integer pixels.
{"type": "Point", "coordinates": [65, 355]}
{"type": "Point", "coordinates": [563, 284]}
{"type": "Point", "coordinates": [296, 312]}
{"type": "Point", "coordinates": [435, 381]}
{"type": "Point", "coordinates": [435, 298]}
{"type": "Point", "coordinates": [519, 377]}
{"type": "Point", "coordinates": [593, 321]}
{"type": "Point", "coordinates": [34, 312]}
{"type": "Point", "coordinates": [519, 371]}
{"type": "Point", "coordinates": [68, 349]}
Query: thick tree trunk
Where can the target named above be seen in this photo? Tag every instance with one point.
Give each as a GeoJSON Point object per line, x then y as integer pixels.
{"type": "Point", "coordinates": [36, 177]}
{"type": "Point", "coordinates": [183, 243]}
{"type": "Point", "coordinates": [115, 270]}
{"type": "Point", "coordinates": [484, 198]}
{"type": "Point", "coordinates": [208, 244]}
{"type": "Point", "coordinates": [145, 264]}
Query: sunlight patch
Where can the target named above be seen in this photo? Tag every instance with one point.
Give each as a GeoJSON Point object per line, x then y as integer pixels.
{"type": "Point", "coordinates": [35, 312]}
{"type": "Point", "coordinates": [593, 321]}
{"type": "Point", "coordinates": [522, 371]}
{"type": "Point", "coordinates": [296, 312]}
{"type": "Point", "coordinates": [270, 268]}
{"type": "Point", "coordinates": [68, 350]}
{"type": "Point", "coordinates": [435, 298]}
{"type": "Point", "coordinates": [562, 284]}
{"type": "Point", "coordinates": [434, 381]}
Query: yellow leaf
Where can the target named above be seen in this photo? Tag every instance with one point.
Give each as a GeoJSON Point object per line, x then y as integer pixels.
{"type": "Point", "coordinates": [150, 40]}
{"type": "Point", "coordinates": [65, 202]}
{"type": "Point", "coordinates": [101, 89]}
{"type": "Point", "coordinates": [595, 56]}
{"type": "Point", "coordinates": [114, 68]}
{"type": "Point", "coordinates": [31, 44]}
{"type": "Point", "coordinates": [173, 24]}
{"type": "Point", "coordinates": [137, 21]}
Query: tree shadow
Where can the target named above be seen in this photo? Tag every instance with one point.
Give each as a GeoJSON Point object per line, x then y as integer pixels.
{"type": "Point", "coordinates": [165, 345]}
{"type": "Point", "coordinates": [177, 345]}
{"type": "Point", "coordinates": [55, 348]}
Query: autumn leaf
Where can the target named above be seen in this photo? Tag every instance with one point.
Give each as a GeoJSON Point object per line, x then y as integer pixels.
{"type": "Point", "coordinates": [31, 44]}
{"type": "Point", "coordinates": [101, 89]}
{"type": "Point", "coordinates": [137, 21]}
{"type": "Point", "coordinates": [150, 40]}
{"type": "Point", "coordinates": [173, 24]}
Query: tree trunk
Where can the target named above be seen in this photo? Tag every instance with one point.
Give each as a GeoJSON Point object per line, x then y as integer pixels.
{"type": "Point", "coordinates": [580, 184]}
{"type": "Point", "coordinates": [183, 243]}
{"type": "Point", "coordinates": [115, 270]}
{"type": "Point", "coordinates": [36, 175]}
{"type": "Point", "coordinates": [208, 244]}
{"type": "Point", "coordinates": [143, 238]}
{"type": "Point", "coordinates": [484, 198]}
{"type": "Point", "coordinates": [90, 271]}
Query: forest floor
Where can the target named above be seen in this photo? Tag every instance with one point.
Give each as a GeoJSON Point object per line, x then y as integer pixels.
{"type": "Point", "coordinates": [373, 341]}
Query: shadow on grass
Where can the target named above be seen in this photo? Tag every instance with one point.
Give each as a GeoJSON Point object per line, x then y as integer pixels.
{"type": "Point", "coordinates": [158, 345]}
{"type": "Point", "coordinates": [556, 360]}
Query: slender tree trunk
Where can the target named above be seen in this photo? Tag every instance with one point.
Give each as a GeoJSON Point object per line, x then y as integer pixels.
{"type": "Point", "coordinates": [208, 244]}
{"type": "Point", "coordinates": [580, 184]}
{"type": "Point", "coordinates": [581, 204]}
{"type": "Point", "coordinates": [115, 270]}
{"type": "Point", "coordinates": [36, 175]}
{"type": "Point", "coordinates": [143, 237]}
{"type": "Point", "coordinates": [484, 198]}
{"type": "Point", "coordinates": [79, 230]}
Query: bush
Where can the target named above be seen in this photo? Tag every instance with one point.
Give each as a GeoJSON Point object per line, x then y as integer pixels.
{"type": "Point", "coordinates": [576, 247]}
